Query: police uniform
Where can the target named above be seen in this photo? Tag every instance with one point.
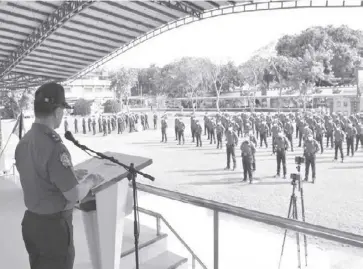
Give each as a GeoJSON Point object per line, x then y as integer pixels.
{"type": "Point", "coordinates": [164, 125]}
{"type": "Point", "coordinates": [281, 145]}
{"type": "Point", "coordinates": [181, 128]}
{"type": "Point", "coordinates": [46, 171]}
{"type": "Point", "coordinates": [232, 141]}
{"type": "Point", "coordinates": [247, 153]}
{"type": "Point", "coordinates": [311, 147]}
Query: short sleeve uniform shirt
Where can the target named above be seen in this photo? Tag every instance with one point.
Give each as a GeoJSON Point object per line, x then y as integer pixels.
{"type": "Point", "coordinates": [45, 170]}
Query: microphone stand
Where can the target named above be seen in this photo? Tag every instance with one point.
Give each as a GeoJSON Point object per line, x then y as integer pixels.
{"type": "Point", "coordinates": [131, 177]}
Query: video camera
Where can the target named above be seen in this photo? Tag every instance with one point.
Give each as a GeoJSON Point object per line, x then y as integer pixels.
{"type": "Point", "coordinates": [296, 180]}
{"type": "Point", "coordinates": [299, 160]}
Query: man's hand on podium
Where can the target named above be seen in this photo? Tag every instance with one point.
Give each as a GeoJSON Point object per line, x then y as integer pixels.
{"type": "Point", "coordinates": [96, 179]}
{"type": "Point", "coordinates": [80, 174]}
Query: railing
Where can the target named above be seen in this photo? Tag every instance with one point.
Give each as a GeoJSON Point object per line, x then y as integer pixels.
{"type": "Point", "coordinates": [217, 208]}
{"type": "Point", "coordinates": [158, 227]}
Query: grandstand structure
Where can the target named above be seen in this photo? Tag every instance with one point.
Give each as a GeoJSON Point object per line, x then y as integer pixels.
{"type": "Point", "coordinates": [64, 40]}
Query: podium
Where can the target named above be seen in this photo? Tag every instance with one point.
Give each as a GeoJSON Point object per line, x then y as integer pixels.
{"type": "Point", "coordinates": [104, 211]}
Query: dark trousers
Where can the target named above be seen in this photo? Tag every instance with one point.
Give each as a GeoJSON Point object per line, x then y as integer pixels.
{"type": "Point", "coordinates": [176, 133]}
{"type": "Point", "coordinates": [297, 130]}
{"type": "Point", "coordinates": [310, 161]}
{"type": "Point", "coordinates": [212, 136]}
{"type": "Point", "coordinates": [239, 132]}
{"type": "Point", "coordinates": [359, 138]}
{"type": "Point", "coordinates": [319, 139]}
{"type": "Point", "coordinates": [281, 158]}
{"type": "Point", "coordinates": [350, 145]}
{"type": "Point", "coordinates": [231, 153]}
{"type": "Point", "coordinates": [100, 128]}
{"type": "Point", "coordinates": [198, 137]}
{"type": "Point", "coordinates": [163, 135]}
{"type": "Point", "coordinates": [75, 129]}
{"type": "Point", "coordinates": [193, 133]}
{"type": "Point", "coordinates": [49, 240]}
{"type": "Point", "coordinates": [84, 129]}
{"type": "Point", "coordinates": [219, 141]}
{"type": "Point", "coordinates": [181, 136]}
{"type": "Point", "coordinates": [94, 130]}
{"type": "Point", "coordinates": [273, 144]}
{"type": "Point", "coordinates": [205, 129]}
{"type": "Point", "coordinates": [263, 139]}
{"type": "Point", "coordinates": [339, 146]}
{"type": "Point", "coordinates": [289, 137]}
{"type": "Point", "coordinates": [247, 168]}
{"type": "Point", "coordinates": [329, 137]}
{"type": "Point", "coordinates": [155, 124]}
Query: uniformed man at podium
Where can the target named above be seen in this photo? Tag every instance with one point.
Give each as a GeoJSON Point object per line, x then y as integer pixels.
{"type": "Point", "coordinates": [50, 184]}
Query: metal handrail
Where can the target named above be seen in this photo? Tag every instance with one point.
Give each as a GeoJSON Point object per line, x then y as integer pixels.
{"type": "Point", "coordinates": [289, 224]}
{"type": "Point", "coordinates": [158, 217]}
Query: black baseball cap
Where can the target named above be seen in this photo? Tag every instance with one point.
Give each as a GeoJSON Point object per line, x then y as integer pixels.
{"type": "Point", "coordinates": [51, 94]}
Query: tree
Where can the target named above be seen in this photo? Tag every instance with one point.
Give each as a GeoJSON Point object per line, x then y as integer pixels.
{"type": "Point", "coordinates": [342, 43]}
{"type": "Point", "coordinates": [111, 106]}
{"type": "Point", "coordinates": [82, 107]}
{"type": "Point", "coordinates": [122, 81]}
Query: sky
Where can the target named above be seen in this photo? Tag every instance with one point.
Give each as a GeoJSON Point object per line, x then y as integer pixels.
{"type": "Point", "coordinates": [232, 37]}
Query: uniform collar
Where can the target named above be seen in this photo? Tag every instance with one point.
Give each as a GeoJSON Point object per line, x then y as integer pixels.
{"type": "Point", "coordinates": [45, 129]}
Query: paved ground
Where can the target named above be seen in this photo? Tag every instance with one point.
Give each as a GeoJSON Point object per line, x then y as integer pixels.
{"type": "Point", "coordinates": [335, 201]}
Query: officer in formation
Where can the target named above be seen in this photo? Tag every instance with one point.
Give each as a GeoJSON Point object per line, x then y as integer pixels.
{"type": "Point", "coordinates": [311, 147]}
{"type": "Point", "coordinates": [281, 127]}
{"type": "Point", "coordinates": [108, 124]}
{"type": "Point", "coordinates": [232, 142]}
{"type": "Point", "coordinates": [247, 152]}
{"type": "Point", "coordinates": [51, 186]}
{"type": "Point", "coordinates": [281, 146]}
{"type": "Point", "coordinates": [164, 126]}
{"type": "Point", "coordinates": [181, 128]}
{"type": "Point", "coordinates": [65, 124]}
{"type": "Point", "coordinates": [155, 117]}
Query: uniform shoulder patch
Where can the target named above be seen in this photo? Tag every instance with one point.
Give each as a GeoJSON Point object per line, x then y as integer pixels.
{"type": "Point", "coordinates": [65, 160]}
{"type": "Point", "coordinates": [55, 137]}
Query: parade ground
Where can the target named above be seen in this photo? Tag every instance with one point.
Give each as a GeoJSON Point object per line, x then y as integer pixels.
{"type": "Point", "coordinates": [334, 201]}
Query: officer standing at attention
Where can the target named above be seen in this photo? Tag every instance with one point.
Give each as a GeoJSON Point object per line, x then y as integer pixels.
{"type": "Point", "coordinates": [339, 137]}
{"type": "Point", "coordinates": [50, 184]}
{"type": "Point", "coordinates": [104, 123]}
{"type": "Point", "coordinates": [94, 126]}
{"type": "Point", "coordinates": [220, 131]}
{"type": "Point", "coordinates": [232, 142]}
{"type": "Point", "coordinates": [181, 128]}
{"type": "Point", "coordinates": [84, 125]}
{"type": "Point", "coordinates": [311, 147]}
{"type": "Point", "coordinates": [281, 146]}
{"type": "Point", "coordinates": [198, 133]}
{"type": "Point", "coordinates": [75, 125]}
{"type": "Point", "coordinates": [65, 124]}
{"type": "Point", "coordinates": [247, 152]}
{"type": "Point", "coordinates": [164, 126]}
{"type": "Point", "coordinates": [155, 121]}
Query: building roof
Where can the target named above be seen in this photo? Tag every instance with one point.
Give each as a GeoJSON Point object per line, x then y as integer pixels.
{"type": "Point", "coordinates": [63, 40]}
{"type": "Point", "coordinates": [55, 40]}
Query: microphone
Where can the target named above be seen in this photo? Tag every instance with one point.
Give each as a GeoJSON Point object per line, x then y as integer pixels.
{"type": "Point", "coordinates": [69, 136]}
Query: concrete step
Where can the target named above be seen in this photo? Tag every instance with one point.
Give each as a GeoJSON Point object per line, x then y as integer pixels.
{"type": "Point", "coordinates": [150, 245]}
{"type": "Point", "coordinates": [166, 260]}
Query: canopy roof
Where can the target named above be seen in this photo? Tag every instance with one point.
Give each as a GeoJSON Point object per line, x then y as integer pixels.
{"type": "Point", "coordinates": [55, 41]}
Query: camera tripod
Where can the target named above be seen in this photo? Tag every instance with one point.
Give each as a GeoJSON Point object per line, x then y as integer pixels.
{"type": "Point", "coordinates": [293, 214]}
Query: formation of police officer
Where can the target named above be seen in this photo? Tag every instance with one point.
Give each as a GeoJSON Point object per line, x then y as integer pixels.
{"type": "Point", "coordinates": [108, 124]}
{"type": "Point", "coordinates": [310, 129]}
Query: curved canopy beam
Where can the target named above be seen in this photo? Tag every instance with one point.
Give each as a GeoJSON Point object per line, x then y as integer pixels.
{"type": "Point", "coordinates": [246, 6]}
{"type": "Point", "coordinates": [64, 40]}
